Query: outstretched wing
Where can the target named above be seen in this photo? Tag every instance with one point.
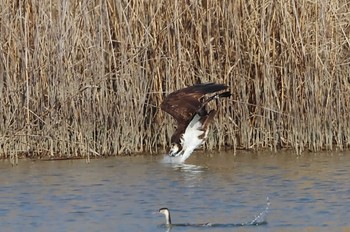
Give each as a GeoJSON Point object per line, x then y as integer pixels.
{"type": "Point", "coordinates": [184, 103]}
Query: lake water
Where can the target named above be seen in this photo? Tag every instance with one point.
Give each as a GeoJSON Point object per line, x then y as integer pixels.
{"type": "Point", "coordinates": [307, 193]}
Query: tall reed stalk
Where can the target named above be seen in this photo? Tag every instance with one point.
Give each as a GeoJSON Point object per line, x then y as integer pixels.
{"type": "Point", "coordinates": [87, 77]}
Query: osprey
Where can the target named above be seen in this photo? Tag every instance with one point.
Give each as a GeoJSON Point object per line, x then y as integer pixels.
{"type": "Point", "coordinates": [188, 106]}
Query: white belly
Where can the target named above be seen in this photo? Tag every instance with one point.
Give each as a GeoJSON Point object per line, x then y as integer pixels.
{"type": "Point", "coordinates": [193, 131]}
{"type": "Point", "coordinates": [191, 139]}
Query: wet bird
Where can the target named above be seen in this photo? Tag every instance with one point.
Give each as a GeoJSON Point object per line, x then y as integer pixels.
{"type": "Point", "coordinates": [166, 213]}
{"type": "Point", "coordinates": [257, 221]}
{"type": "Point", "coordinates": [188, 106]}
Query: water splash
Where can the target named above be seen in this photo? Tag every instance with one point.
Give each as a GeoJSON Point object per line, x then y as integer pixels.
{"type": "Point", "coordinates": [172, 159]}
{"type": "Point", "coordinates": [190, 168]}
{"type": "Point", "coordinates": [261, 218]}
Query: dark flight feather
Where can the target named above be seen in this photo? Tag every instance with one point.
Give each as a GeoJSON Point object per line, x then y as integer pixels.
{"type": "Point", "coordinates": [184, 103]}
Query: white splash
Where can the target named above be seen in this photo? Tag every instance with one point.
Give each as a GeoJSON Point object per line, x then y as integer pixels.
{"type": "Point", "coordinates": [261, 218]}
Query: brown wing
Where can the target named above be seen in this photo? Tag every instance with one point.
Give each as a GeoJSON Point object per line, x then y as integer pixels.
{"type": "Point", "coordinates": [184, 103]}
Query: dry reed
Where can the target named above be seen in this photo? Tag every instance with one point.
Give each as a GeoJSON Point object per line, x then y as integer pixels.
{"type": "Point", "coordinates": [87, 77]}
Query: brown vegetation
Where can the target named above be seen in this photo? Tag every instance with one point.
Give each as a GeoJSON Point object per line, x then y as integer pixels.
{"type": "Point", "coordinates": [87, 77]}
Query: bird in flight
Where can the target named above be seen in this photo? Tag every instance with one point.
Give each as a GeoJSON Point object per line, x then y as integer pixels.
{"type": "Point", "coordinates": [188, 106]}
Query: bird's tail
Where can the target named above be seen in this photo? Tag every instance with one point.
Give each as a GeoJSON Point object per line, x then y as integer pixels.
{"type": "Point", "coordinates": [224, 94]}
{"type": "Point", "coordinates": [217, 96]}
{"type": "Point", "coordinates": [203, 111]}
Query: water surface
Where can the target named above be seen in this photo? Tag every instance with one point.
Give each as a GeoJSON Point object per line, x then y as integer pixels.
{"type": "Point", "coordinates": [307, 193]}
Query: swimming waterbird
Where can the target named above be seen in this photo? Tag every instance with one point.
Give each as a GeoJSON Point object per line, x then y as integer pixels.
{"type": "Point", "coordinates": [257, 221]}
{"type": "Point", "coordinates": [166, 213]}
{"type": "Point", "coordinates": [188, 106]}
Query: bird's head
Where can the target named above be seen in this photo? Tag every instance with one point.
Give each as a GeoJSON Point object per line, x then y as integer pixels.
{"type": "Point", "coordinates": [166, 213]}
{"type": "Point", "coordinates": [175, 149]}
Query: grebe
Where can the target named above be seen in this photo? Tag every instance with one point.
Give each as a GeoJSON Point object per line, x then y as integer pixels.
{"type": "Point", "coordinates": [258, 220]}
{"type": "Point", "coordinates": [188, 106]}
{"type": "Point", "coordinates": [166, 213]}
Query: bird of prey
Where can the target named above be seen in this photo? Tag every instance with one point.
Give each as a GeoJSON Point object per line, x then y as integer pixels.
{"type": "Point", "coordinates": [188, 106]}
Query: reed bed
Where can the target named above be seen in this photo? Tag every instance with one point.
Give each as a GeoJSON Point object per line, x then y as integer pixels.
{"type": "Point", "coordinates": [86, 78]}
